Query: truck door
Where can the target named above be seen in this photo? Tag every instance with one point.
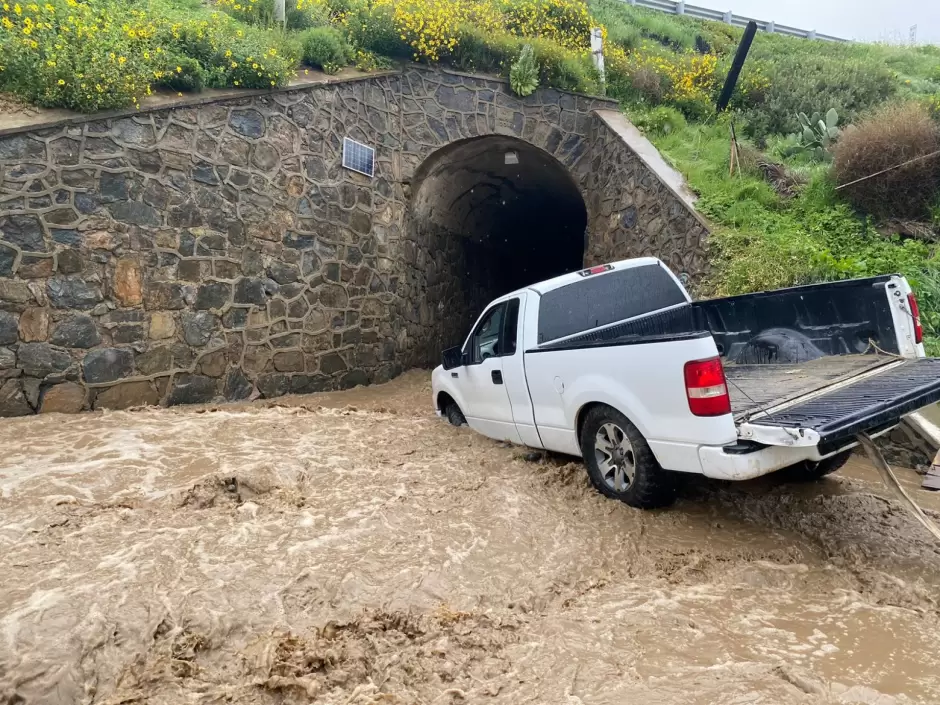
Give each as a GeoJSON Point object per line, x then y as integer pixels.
{"type": "Point", "coordinates": [512, 354]}
{"type": "Point", "coordinates": [488, 409]}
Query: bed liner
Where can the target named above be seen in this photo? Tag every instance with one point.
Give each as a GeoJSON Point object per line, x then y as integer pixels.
{"type": "Point", "coordinates": [754, 388]}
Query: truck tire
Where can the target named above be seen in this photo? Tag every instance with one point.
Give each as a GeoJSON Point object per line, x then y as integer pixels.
{"type": "Point", "coordinates": [455, 415]}
{"type": "Point", "coordinates": [812, 470]}
{"type": "Point", "coordinates": [620, 463]}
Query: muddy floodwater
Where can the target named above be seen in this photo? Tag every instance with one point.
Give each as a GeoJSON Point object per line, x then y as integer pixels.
{"type": "Point", "coordinates": [353, 549]}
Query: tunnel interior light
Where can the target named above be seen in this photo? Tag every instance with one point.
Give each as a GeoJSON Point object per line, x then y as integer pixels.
{"type": "Point", "coordinates": [512, 158]}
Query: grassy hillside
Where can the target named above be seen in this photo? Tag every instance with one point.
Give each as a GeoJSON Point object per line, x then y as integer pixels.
{"type": "Point", "coordinates": [780, 219]}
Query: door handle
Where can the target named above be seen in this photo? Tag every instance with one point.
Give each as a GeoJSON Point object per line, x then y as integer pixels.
{"type": "Point", "coordinates": [497, 377]}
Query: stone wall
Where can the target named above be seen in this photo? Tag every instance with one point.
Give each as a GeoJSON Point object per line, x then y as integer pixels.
{"type": "Point", "coordinates": [219, 250]}
{"type": "Point", "coordinates": [637, 205]}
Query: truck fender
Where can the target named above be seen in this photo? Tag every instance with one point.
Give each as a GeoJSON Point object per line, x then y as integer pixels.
{"type": "Point", "coordinates": [445, 388]}
{"type": "Point", "coordinates": [598, 391]}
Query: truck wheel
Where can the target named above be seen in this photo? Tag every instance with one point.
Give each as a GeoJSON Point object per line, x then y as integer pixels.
{"type": "Point", "coordinates": [620, 463]}
{"type": "Point", "coordinates": [811, 470]}
{"type": "Point", "coordinates": [455, 415]}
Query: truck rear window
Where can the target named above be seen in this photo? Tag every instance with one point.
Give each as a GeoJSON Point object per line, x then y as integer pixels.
{"type": "Point", "coordinates": [606, 298]}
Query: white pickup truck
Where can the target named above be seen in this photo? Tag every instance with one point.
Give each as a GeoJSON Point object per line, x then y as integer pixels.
{"type": "Point", "coordinates": [618, 365]}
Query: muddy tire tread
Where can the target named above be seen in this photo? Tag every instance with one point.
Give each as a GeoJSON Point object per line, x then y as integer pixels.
{"type": "Point", "coordinates": [652, 486]}
{"type": "Point", "coordinates": [454, 415]}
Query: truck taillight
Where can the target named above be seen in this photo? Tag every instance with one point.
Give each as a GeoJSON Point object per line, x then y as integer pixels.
{"type": "Point", "coordinates": [707, 388]}
{"type": "Point", "coordinates": [915, 314]}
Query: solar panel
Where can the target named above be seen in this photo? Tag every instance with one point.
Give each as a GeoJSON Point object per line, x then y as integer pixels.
{"type": "Point", "coordinates": [358, 157]}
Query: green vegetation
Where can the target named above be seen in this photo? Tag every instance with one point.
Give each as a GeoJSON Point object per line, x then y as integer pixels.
{"type": "Point", "coordinates": [106, 54]}
{"type": "Point", "coordinates": [524, 74]}
{"type": "Point", "coordinates": [780, 219]}
{"type": "Point", "coordinates": [326, 48]}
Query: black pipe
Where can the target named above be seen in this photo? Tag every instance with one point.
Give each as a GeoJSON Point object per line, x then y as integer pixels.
{"type": "Point", "coordinates": [743, 48]}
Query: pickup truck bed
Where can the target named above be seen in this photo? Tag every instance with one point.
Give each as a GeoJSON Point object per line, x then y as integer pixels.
{"type": "Point", "coordinates": [754, 388]}
{"type": "Point", "coordinates": [877, 399]}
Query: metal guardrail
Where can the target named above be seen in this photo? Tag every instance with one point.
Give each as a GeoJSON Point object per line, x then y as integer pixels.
{"type": "Point", "coordinates": [679, 7]}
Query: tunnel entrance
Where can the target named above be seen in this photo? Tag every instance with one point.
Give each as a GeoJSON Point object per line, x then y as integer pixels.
{"type": "Point", "coordinates": [494, 214]}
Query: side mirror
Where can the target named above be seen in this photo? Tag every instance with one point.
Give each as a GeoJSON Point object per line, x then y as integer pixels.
{"type": "Point", "coordinates": [453, 357]}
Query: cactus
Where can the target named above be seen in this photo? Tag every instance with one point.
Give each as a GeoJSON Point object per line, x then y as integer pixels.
{"type": "Point", "coordinates": [524, 73]}
{"type": "Point", "coordinates": [818, 132]}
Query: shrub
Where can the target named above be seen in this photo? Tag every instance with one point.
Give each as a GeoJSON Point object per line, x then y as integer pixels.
{"type": "Point", "coordinates": [558, 67]}
{"type": "Point", "coordinates": [326, 48]}
{"type": "Point", "coordinates": [632, 83]}
{"type": "Point", "coordinates": [564, 69]}
{"type": "Point", "coordinates": [87, 57]}
{"type": "Point", "coordinates": [255, 12]}
{"type": "Point", "coordinates": [659, 121]}
{"type": "Point", "coordinates": [524, 73]}
{"type": "Point", "coordinates": [300, 14]}
{"type": "Point", "coordinates": [232, 55]}
{"type": "Point", "coordinates": [752, 87]}
{"type": "Point", "coordinates": [477, 50]}
{"type": "Point", "coordinates": [304, 14]}
{"type": "Point", "coordinates": [892, 135]}
{"type": "Point", "coordinates": [566, 22]}
{"type": "Point", "coordinates": [372, 28]}
{"type": "Point", "coordinates": [803, 81]}
{"type": "Point", "coordinates": [183, 74]}
{"type": "Point", "coordinates": [369, 61]}
{"type": "Point", "coordinates": [686, 81]}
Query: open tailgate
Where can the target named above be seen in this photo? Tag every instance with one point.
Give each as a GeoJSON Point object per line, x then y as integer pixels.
{"type": "Point", "coordinates": [872, 402]}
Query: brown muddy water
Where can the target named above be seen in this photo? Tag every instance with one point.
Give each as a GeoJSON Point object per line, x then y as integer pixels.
{"type": "Point", "coordinates": [353, 549]}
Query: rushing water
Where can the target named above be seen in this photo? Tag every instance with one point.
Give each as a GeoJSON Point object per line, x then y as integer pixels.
{"type": "Point", "coordinates": [352, 548]}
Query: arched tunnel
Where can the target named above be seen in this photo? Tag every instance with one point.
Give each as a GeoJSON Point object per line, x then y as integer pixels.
{"type": "Point", "coordinates": [495, 214]}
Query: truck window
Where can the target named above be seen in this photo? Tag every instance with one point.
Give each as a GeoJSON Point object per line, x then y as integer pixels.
{"type": "Point", "coordinates": [484, 342]}
{"type": "Point", "coordinates": [606, 298]}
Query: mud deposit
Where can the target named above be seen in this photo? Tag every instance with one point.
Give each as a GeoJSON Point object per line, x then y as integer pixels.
{"type": "Point", "coordinates": [353, 549]}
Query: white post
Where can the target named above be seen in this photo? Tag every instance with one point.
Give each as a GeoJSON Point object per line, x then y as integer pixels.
{"type": "Point", "coordinates": [771, 27]}
{"type": "Point", "coordinates": [597, 51]}
{"type": "Point", "coordinates": [680, 7]}
{"type": "Point", "coordinates": [280, 12]}
{"type": "Point", "coordinates": [727, 18]}
{"type": "Point", "coordinates": [811, 34]}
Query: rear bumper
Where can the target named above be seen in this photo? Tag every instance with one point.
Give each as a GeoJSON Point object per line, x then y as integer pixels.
{"type": "Point", "coordinates": [735, 463]}
{"type": "Point", "coordinates": [722, 463]}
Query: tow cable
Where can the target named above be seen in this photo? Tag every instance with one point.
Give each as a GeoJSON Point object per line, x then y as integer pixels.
{"type": "Point", "coordinates": [878, 460]}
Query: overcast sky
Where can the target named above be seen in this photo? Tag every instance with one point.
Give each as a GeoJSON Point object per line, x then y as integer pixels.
{"type": "Point", "coordinates": [869, 20]}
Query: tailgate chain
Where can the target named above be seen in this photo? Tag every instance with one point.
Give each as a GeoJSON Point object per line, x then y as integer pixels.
{"type": "Point", "coordinates": [878, 460]}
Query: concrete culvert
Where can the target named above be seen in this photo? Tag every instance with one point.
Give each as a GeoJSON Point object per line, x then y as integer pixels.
{"type": "Point", "coordinates": [504, 213]}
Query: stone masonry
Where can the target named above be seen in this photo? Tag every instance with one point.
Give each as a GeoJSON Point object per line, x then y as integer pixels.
{"type": "Point", "coordinates": [633, 209]}
{"type": "Point", "coordinates": [220, 250]}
